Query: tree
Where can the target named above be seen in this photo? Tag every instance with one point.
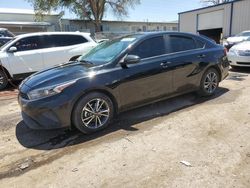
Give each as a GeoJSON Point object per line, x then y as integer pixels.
{"type": "Point", "coordinates": [92, 10]}
{"type": "Point", "coordinates": [215, 2]}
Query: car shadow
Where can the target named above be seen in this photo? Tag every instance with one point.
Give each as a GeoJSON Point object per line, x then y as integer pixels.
{"type": "Point", "coordinates": [241, 70]}
{"type": "Point", "coordinates": [54, 139]}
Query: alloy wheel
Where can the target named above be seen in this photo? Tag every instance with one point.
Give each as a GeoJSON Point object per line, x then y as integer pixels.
{"type": "Point", "coordinates": [211, 82]}
{"type": "Point", "coordinates": [95, 113]}
{"type": "Point", "coordinates": [1, 79]}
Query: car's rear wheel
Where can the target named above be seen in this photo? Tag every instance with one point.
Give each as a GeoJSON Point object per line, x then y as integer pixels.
{"type": "Point", "coordinates": [3, 80]}
{"type": "Point", "coordinates": [93, 112]}
{"type": "Point", "coordinates": [209, 82]}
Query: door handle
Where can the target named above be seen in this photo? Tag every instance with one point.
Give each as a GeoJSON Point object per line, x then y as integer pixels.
{"type": "Point", "coordinates": [165, 64]}
{"type": "Point", "coordinates": [201, 56]}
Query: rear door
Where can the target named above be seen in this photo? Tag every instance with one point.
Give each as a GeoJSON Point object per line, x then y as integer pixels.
{"type": "Point", "coordinates": [149, 79]}
{"type": "Point", "coordinates": [54, 52]}
{"type": "Point", "coordinates": [185, 57]}
{"type": "Point", "coordinates": [61, 48]}
{"type": "Point", "coordinates": [27, 59]}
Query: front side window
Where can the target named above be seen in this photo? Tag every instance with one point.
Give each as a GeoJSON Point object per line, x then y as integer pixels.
{"type": "Point", "coordinates": [150, 48]}
{"type": "Point", "coordinates": [180, 43]}
{"type": "Point", "coordinates": [29, 43]}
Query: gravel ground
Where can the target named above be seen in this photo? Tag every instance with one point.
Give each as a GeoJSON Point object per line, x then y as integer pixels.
{"type": "Point", "coordinates": [186, 141]}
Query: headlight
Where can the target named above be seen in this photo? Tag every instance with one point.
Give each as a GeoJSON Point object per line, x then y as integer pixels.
{"type": "Point", "coordinates": [233, 51]}
{"type": "Point", "coordinates": [48, 91]}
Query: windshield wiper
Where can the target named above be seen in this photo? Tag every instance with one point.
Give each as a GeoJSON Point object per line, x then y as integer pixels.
{"type": "Point", "coordinates": [86, 62]}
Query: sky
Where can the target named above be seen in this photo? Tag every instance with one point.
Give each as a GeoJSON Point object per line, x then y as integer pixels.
{"type": "Point", "coordinates": [148, 10]}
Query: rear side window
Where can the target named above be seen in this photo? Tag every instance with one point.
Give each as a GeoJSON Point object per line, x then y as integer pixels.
{"type": "Point", "coordinates": [180, 43]}
{"type": "Point", "coordinates": [150, 48]}
{"type": "Point", "coordinates": [200, 44]}
{"type": "Point", "coordinates": [64, 40]}
{"type": "Point", "coordinates": [29, 43]}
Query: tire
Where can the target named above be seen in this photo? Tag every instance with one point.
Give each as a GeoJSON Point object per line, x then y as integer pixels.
{"type": "Point", "coordinates": [3, 80]}
{"type": "Point", "coordinates": [209, 82]}
{"type": "Point", "coordinates": [90, 116]}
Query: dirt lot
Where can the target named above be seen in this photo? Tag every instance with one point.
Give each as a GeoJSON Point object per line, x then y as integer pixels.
{"type": "Point", "coordinates": [142, 148]}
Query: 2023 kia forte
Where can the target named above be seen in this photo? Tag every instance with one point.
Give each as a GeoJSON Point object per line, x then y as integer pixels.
{"type": "Point", "coordinates": [121, 74]}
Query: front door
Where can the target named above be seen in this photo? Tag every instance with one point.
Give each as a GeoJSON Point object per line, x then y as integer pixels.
{"type": "Point", "coordinates": [149, 79]}
{"type": "Point", "coordinates": [27, 59]}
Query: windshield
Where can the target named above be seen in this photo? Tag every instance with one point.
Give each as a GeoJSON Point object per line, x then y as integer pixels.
{"type": "Point", "coordinates": [244, 34]}
{"type": "Point", "coordinates": [108, 51]}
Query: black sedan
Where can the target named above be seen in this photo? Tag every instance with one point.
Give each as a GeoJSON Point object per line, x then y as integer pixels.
{"type": "Point", "coordinates": [121, 74]}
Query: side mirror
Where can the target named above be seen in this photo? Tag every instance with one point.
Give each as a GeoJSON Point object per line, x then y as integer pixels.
{"type": "Point", "coordinates": [131, 59]}
{"type": "Point", "coordinates": [12, 49]}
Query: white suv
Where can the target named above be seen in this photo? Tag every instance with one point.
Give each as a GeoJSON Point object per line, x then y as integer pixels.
{"type": "Point", "coordinates": [29, 53]}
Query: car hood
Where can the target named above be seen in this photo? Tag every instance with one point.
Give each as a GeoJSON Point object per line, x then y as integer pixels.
{"type": "Point", "coordinates": [236, 39]}
{"type": "Point", "coordinates": [242, 46]}
{"type": "Point", "coordinates": [57, 75]}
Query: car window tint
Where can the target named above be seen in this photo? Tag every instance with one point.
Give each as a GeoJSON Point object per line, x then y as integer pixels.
{"type": "Point", "coordinates": [63, 40]}
{"type": "Point", "coordinates": [181, 43]}
{"type": "Point", "coordinates": [200, 44]}
{"type": "Point", "coordinates": [29, 43]}
{"type": "Point", "coordinates": [150, 48]}
{"type": "Point", "coordinates": [75, 39]}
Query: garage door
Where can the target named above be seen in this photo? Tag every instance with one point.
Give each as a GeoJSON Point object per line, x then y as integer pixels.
{"type": "Point", "coordinates": [210, 20]}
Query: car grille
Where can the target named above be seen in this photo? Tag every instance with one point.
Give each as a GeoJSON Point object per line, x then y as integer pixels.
{"type": "Point", "coordinates": [243, 63]}
{"type": "Point", "coordinates": [24, 96]}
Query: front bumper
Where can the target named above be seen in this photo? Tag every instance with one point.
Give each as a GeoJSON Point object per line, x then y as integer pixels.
{"type": "Point", "coordinates": [48, 113]}
{"type": "Point", "coordinates": [243, 61]}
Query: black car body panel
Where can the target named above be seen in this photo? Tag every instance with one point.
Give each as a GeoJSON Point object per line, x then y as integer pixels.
{"type": "Point", "coordinates": [152, 79]}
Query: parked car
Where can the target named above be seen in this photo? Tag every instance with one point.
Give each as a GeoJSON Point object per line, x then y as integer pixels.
{"type": "Point", "coordinates": [231, 41]}
{"type": "Point", "coordinates": [239, 54]}
{"type": "Point", "coordinates": [29, 53]}
{"type": "Point", "coordinates": [121, 74]}
{"type": "Point", "coordinates": [5, 36]}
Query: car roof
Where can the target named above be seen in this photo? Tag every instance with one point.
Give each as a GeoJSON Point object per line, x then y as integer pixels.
{"type": "Point", "coordinates": [157, 33]}
{"type": "Point", "coordinates": [53, 33]}
{"type": "Point", "coordinates": [152, 33]}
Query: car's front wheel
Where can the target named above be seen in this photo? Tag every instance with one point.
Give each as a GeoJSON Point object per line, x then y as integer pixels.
{"type": "Point", "coordinates": [93, 112]}
{"type": "Point", "coordinates": [3, 80]}
{"type": "Point", "coordinates": [209, 82]}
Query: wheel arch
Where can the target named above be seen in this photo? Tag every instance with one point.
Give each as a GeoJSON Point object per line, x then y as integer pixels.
{"type": "Point", "coordinates": [5, 71]}
{"type": "Point", "coordinates": [217, 69]}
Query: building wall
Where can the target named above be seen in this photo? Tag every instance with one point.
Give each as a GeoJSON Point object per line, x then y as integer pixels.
{"type": "Point", "coordinates": [119, 26]}
{"type": "Point", "coordinates": [188, 21]}
{"type": "Point", "coordinates": [25, 28]}
{"type": "Point", "coordinates": [241, 16]}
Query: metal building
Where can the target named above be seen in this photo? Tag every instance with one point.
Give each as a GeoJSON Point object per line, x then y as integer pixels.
{"type": "Point", "coordinates": [217, 21]}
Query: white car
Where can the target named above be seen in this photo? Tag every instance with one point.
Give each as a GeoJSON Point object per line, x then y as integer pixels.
{"type": "Point", "coordinates": [239, 54]}
{"type": "Point", "coordinates": [29, 53]}
{"type": "Point", "coordinates": [231, 41]}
